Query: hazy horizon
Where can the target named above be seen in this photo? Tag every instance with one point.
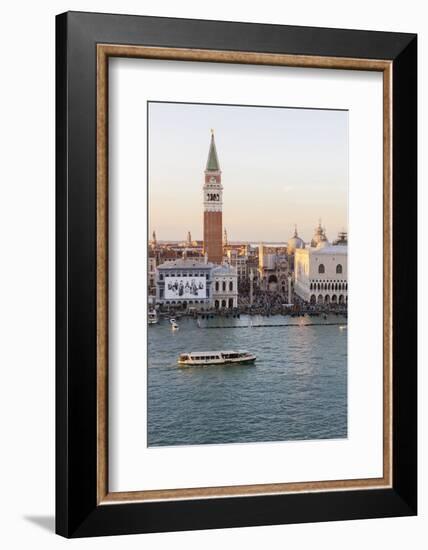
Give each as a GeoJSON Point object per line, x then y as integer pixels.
{"type": "Point", "coordinates": [280, 167]}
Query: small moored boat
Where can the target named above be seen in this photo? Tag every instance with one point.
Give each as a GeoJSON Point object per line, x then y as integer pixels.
{"type": "Point", "coordinates": [202, 358]}
{"type": "Point", "coordinates": [174, 324]}
{"type": "Point", "coordinates": [153, 318]}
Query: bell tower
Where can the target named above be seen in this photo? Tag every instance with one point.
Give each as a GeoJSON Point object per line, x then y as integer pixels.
{"type": "Point", "coordinates": [213, 206]}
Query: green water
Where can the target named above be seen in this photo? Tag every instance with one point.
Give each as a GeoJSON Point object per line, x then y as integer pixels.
{"type": "Point", "coordinates": [296, 390]}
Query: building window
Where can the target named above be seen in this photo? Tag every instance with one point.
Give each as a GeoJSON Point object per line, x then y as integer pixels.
{"type": "Point", "coordinates": [231, 302]}
{"type": "Point", "coordinates": [321, 268]}
{"type": "Point", "coordinates": [231, 286]}
{"type": "Point", "coordinates": [160, 277]}
{"type": "Point", "coordinates": [339, 268]}
{"type": "Point", "coordinates": [224, 286]}
{"type": "Point", "coordinates": [216, 286]}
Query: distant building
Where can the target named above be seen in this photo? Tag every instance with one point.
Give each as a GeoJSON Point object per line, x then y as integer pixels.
{"type": "Point", "coordinates": [224, 287]}
{"type": "Point", "coordinates": [321, 272]}
{"type": "Point", "coordinates": [232, 255]}
{"type": "Point", "coordinates": [273, 269]}
{"type": "Point", "coordinates": [342, 238]}
{"type": "Point", "coordinates": [295, 242]}
{"type": "Point", "coordinates": [184, 283]}
{"type": "Point", "coordinates": [188, 283]}
{"type": "Point", "coordinates": [242, 268]}
{"type": "Point", "coordinates": [153, 242]}
{"type": "Point", "coordinates": [240, 262]}
{"type": "Point", "coordinates": [319, 235]}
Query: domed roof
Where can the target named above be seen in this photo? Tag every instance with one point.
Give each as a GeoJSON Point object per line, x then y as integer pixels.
{"type": "Point", "coordinates": [323, 244]}
{"type": "Point", "coordinates": [319, 236]}
{"type": "Point", "coordinates": [295, 242]}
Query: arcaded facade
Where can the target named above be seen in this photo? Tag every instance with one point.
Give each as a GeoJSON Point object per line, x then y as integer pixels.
{"type": "Point", "coordinates": [321, 273]}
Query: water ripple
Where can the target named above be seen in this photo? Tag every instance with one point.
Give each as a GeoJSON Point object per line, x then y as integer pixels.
{"type": "Point", "coordinates": [297, 389]}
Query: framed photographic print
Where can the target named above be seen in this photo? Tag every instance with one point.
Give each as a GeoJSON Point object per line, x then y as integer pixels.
{"type": "Point", "coordinates": [236, 252]}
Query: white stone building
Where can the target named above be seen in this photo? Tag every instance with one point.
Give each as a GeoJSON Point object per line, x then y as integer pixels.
{"type": "Point", "coordinates": [184, 283]}
{"type": "Point", "coordinates": [321, 273]}
{"type": "Point", "coordinates": [195, 284]}
{"type": "Point", "coordinates": [224, 287]}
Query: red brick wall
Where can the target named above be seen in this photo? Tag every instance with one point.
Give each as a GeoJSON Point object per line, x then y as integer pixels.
{"type": "Point", "coordinates": [213, 237]}
{"type": "Point", "coordinates": [209, 176]}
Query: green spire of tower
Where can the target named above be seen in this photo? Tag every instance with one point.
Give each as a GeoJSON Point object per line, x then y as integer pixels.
{"type": "Point", "coordinates": [212, 163]}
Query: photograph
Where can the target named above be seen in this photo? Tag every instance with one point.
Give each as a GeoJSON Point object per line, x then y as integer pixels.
{"type": "Point", "coordinates": [184, 363]}
{"type": "Point", "coordinates": [247, 286]}
{"type": "Point", "coordinates": [213, 369]}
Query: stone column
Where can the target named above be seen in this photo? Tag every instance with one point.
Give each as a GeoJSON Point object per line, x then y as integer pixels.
{"type": "Point", "coordinates": [290, 301]}
{"type": "Point", "coordinates": [251, 286]}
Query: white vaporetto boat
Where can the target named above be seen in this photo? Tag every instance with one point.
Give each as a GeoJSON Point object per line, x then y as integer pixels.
{"type": "Point", "coordinates": [205, 358]}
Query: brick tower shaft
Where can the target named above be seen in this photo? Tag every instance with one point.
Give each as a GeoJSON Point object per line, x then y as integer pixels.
{"type": "Point", "coordinates": [213, 245]}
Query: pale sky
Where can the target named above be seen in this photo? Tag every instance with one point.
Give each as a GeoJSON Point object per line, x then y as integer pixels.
{"type": "Point", "coordinates": [280, 167]}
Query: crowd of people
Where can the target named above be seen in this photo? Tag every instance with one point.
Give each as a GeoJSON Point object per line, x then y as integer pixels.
{"type": "Point", "coordinates": [264, 302]}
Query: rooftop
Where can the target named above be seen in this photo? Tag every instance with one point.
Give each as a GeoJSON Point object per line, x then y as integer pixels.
{"type": "Point", "coordinates": [338, 249]}
{"type": "Point", "coordinates": [330, 249]}
{"type": "Point", "coordinates": [224, 270]}
{"type": "Point", "coordinates": [212, 163]}
{"type": "Point", "coordinates": [185, 264]}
